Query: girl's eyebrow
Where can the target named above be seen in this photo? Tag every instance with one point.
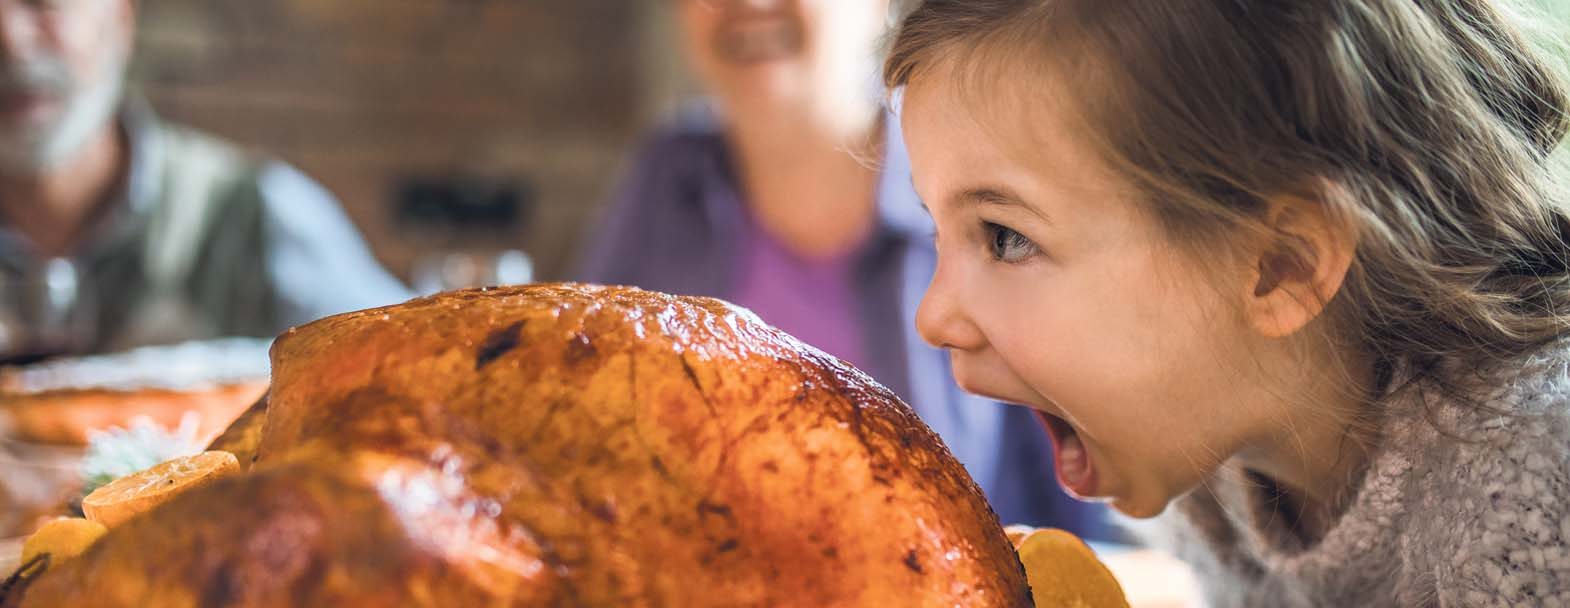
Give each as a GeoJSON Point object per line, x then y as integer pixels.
{"type": "Point", "coordinates": [1000, 197]}
{"type": "Point", "coordinates": [985, 195]}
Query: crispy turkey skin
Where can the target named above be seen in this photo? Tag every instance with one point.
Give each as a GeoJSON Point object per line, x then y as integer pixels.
{"type": "Point", "coordinates": [562, 445]}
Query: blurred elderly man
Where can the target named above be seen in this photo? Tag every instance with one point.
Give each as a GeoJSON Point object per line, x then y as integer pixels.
{"type": "Point", "coordinates": [790, 194]}
{"type": "Point", "coordinates": [117, 230]}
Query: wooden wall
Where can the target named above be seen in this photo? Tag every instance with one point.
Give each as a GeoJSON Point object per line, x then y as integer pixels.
{"type": "Point", "coordinates": [362, 93]}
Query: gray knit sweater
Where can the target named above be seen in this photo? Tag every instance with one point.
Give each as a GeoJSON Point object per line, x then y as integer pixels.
{"type": "Point", "coordinates": [1434, 521]}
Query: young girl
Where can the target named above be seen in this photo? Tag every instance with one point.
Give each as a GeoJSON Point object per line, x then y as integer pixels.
{"type": "Point", "coordinates": [1286, 273]}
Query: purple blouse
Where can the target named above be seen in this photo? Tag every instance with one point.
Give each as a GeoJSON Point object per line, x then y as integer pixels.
{"type": "Point", "coordinates": [811, 299]}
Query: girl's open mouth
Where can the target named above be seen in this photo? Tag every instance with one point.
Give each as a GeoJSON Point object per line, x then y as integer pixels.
{"type": "Point", "coordinates": [1076, 473]}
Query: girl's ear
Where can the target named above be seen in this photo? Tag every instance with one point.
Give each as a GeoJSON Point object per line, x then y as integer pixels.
{"type": "Point", "coordinates": [1297, 270]}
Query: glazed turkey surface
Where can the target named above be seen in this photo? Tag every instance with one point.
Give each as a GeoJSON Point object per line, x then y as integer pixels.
{"type": "Point", "coordinates": [563, 445]}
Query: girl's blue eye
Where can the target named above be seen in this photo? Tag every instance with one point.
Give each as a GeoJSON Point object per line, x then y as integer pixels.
{"type": "Point", "coordinates": [1008, 246]}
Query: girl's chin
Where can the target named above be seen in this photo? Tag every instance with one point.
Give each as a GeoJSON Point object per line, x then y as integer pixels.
{"type": "Point", "coordinates": [1136, 509]}
{"type": "Point", "coordinates": [1141, 502]}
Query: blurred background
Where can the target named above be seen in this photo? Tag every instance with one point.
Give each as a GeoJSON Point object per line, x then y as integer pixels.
{"type": "Point", "coordinates": [536, 101]}
{"type": "Point", "coordinates": [379, 100]}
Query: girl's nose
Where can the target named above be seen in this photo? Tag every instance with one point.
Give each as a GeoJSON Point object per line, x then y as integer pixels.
{"type": "Point", "coordinates": [942, 319]}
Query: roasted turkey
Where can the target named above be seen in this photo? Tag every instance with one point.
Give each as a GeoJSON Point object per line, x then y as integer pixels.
{"type": "Point", "coordinates": [561, 445]}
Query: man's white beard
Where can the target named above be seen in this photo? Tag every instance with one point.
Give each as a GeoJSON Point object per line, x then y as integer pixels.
{"type": "Point", "coordinates": [41, 148]}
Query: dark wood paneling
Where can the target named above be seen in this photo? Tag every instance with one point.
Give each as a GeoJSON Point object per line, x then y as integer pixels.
{"type": "Point", "coordinates": [359, 93]}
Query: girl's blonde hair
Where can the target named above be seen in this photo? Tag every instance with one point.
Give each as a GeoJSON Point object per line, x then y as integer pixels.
{"type": "Point", "coordinates": [1427, 125]}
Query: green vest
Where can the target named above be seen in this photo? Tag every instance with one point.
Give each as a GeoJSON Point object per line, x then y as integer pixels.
{"type": "Point", "coordinates": [189, 263]}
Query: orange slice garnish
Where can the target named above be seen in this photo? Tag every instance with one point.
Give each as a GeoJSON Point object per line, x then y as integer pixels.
{"type": "Point", "coordinates": [140, 492]}
{"type": "Point", "coordinates": [62, 539]}
{"type": "Point", "coordinates": [1017, 534]}
{"type": "Point", "coordinates": [1063, 571]}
